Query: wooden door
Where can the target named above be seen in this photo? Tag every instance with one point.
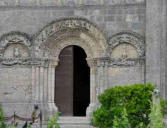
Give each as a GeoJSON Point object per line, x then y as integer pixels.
{"type": "Point", "coordinates": [64, 82]}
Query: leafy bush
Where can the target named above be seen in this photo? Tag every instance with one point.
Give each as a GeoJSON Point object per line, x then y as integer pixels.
{"type": "Point", "coordinates": [52, 122]}
{"type": "Point", "coordinates": [136, 99]}
{"type": "Point", "coordinates": [29, 126]}
{"type": "Point", "coordinates": [156, 116]}
{"type": "Point", "coordinates": [2, 122]}
{"type": "Point", "coordinates": [121, 122]}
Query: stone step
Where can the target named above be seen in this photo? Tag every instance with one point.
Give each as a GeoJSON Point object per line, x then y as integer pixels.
{"type": "Point", "coordinates": [74, 122]}
{"type": "Point", "coordinates": [75, 126]}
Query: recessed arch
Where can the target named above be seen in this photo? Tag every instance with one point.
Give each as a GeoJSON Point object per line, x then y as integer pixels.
{"type": "Point", "coordinates": [127, 37]}
{"type": "Point", "coordinates": [73, 41]}
{"type": "Point", "coordinates": [53, 38]}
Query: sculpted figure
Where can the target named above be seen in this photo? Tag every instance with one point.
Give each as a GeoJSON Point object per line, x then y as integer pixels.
{"type": "Point", "coordinates": [17, 52]}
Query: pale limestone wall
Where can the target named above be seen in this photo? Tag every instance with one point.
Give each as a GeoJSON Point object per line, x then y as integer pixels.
{"type": "Point", "coordinates": [109, 23]}
{"type": "Point", "coordinates": [110, 19]}
{"type": "Point", "coordinates": [66, 2]}
{"type": "Point", "coordinates": [121, 76]}
{"type": "Point", "coordinates": [16, 89]}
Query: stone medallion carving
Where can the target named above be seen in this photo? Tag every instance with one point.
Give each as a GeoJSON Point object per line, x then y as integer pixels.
{"type": "Point", "coordinates": [16, 51]}
{"type": "Point", "coordinates": [130, 38]}
{"type": "Point", "coordinates": [16, 41]}
{"type": "Point", "coordinates": [126, 48]}
{"type": "Point", "coordinates": [15, 47]}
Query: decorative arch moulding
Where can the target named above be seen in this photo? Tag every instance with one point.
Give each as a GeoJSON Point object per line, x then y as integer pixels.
{"type": "Point", "coordinates": [68, 23]}
{"type": "Point", "coordinates": [84, 30]}
{"type": "Point", "coordinates": [90, 38]}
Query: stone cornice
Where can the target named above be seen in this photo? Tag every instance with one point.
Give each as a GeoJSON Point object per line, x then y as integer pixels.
{"type": "Point", "coordinates": [65, 3]}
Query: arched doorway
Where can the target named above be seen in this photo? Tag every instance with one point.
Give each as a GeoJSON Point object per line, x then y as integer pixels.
{"type": "Point", "coordinates": [72, 82]}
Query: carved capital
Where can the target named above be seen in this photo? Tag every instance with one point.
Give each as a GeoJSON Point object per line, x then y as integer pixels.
{"type": "Point", "coordinates": [54, 62]}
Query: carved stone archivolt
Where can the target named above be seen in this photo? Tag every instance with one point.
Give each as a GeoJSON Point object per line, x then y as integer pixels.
{"type": "Point", "coordinates": [73, 28]}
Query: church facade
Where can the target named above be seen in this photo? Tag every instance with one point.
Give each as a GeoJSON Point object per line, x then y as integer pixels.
{"type": "Point", "coordinates": [62, 54]}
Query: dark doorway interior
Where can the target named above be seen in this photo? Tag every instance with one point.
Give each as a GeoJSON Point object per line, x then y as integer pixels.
{"type": "Point", "coordinates": [72, 85]}
{"type": "Point", "coordinates": [81, 82]}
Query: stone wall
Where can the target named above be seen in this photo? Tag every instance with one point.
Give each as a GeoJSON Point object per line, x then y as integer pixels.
{"type": "Point", "coordinates": [110, 19]}
{"type": "Point", "coordinates": [16, 89]}
{"type": "Point", "coordinates": [30, 45]}
{"type": "Point", "coordinates": [124, 41]}
{"type": "Point", "coordinates": [66, 2]}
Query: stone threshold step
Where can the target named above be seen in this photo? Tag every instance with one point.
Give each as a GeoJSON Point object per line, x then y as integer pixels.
{"type": "Point", "coordinates": [74, 120]}
{"type": "Point", "coordinates": [75, 126]}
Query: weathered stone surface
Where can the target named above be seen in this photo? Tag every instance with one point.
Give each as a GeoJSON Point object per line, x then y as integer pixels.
{"type": "Point", "coordinates": [125, 43]}
{"type": "Point", "coordinates": [67, 2]}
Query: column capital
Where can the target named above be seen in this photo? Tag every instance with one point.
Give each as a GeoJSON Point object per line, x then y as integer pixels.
{"type": "Point", "coordinates": [54, 62]}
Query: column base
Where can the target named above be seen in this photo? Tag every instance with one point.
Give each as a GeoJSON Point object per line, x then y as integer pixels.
{"type": "Point", "coordinates": [92, 107]}
{"type": "Point", "coordinates": [52, 109]}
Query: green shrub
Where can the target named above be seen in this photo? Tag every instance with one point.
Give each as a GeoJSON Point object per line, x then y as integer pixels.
{"type": "Point", "coordinates": [136, 99]}
{"type": "Point", "coordinates": [121, 122]}
{"type": "Point", "coordinates": [52, 122]}
{"type": "Point", "coordinates": [29, 126]}
{"type": "Point", "coordinates": [2, 122]}
{"type": "Point", "coordinates": [156, 116]}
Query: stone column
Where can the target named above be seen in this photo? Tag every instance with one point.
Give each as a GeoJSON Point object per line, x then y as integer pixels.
{"type": "Point", "coordinates": [102, 64]}
{"type": "Point", "coordinates": [33, 83]}
{"type": "Point", "coordinates": [41, 85]}
{"type": "Point", "coordinates": [98, 81]}
{"type": "Point", "coordinates": [37, 82]}
{"type": "Point", "coordinates": [106, 81]}
{"type": "Point", "coordinates": [43, 82]}
{"type": "Point", "coordinates": [101, 76]}
{"type": "Point", "coordinates": [156, 43]}
{"type": "Point", "coordinates": [51, 88]}
{"type": "Point", "coordinates": [45, 92]}
{"type": "Point", "coordinates": [93, 85]}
